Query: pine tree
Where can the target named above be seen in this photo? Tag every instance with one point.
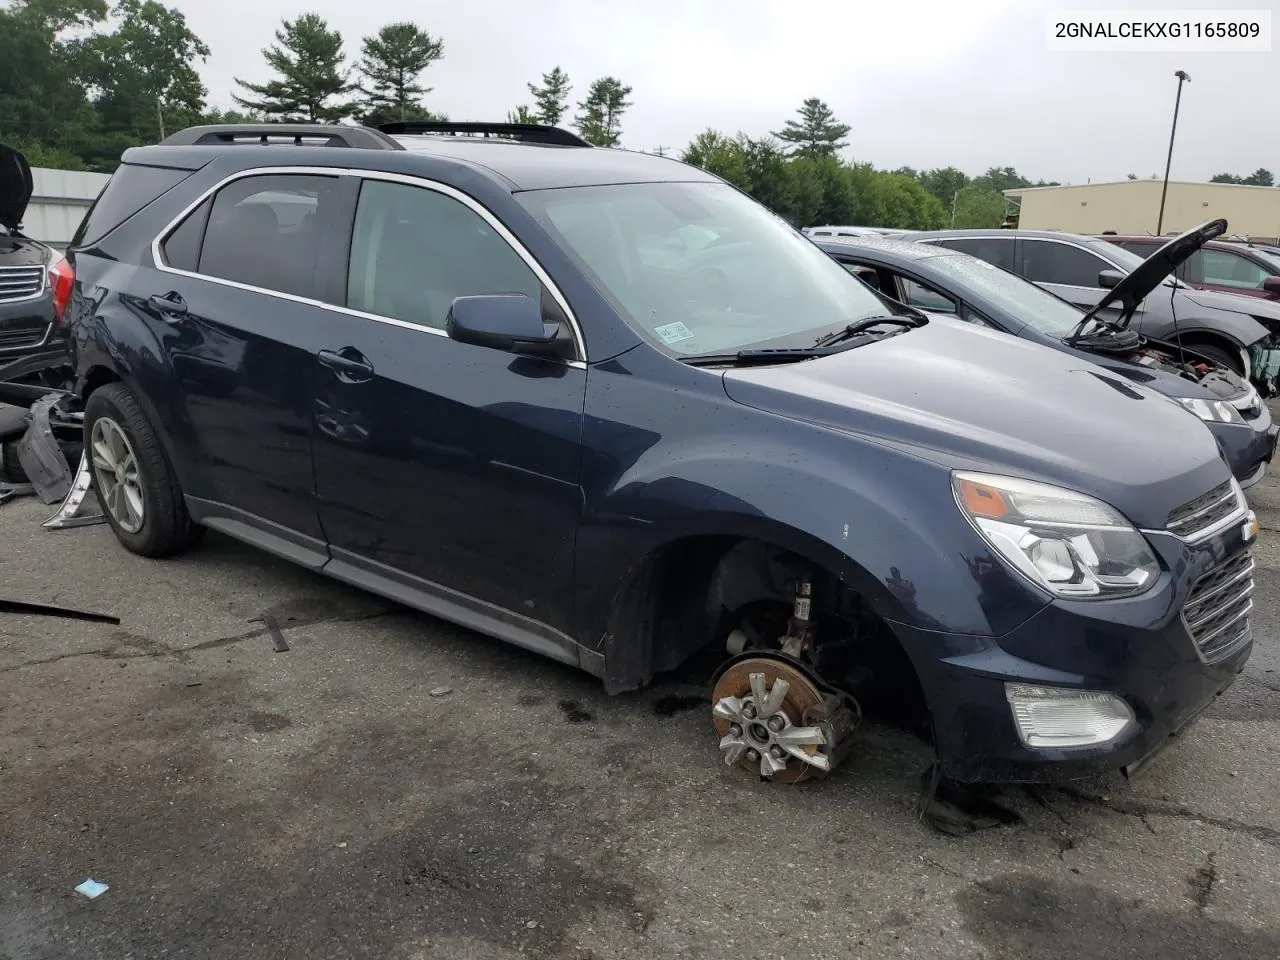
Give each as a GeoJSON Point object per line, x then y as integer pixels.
{"type": "Point", "coordinates": [817, 132]}
{"type": "Point", "coordinates": [391, 62]}
{"type": "Point", "coordinates": [309, 60]}
{"type": "Point", "coordinates": [552, 98]}
{"type": "Point", "coordinates": [599, 119]}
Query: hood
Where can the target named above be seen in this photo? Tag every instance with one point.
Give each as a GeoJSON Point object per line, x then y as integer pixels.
{"type": "Point", "coordinates": [15, 187]}
{"type": "Point", "coordinates": [1135, 287]}
{"type": "Point", "coordinates": [970, 398]}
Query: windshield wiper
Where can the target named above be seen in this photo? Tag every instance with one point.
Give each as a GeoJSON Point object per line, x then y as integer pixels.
{"type": "Point", "coordinates": [745, 358]}
{"type": "Point", "coordinates": [862, 326]}
{"type": "Point", "coordinates": [1078, 333]}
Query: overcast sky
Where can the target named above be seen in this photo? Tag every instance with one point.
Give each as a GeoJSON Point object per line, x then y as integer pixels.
{"type": "Point", "coordinates": [923, 83]}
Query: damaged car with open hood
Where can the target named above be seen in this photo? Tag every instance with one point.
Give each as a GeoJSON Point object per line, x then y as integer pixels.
{"type": "Point", "coordinates": [35, 288]}
{"type": "Point", "coordinates": [943, 280]}
{"type": "Point", "coordinates": [606, 407]}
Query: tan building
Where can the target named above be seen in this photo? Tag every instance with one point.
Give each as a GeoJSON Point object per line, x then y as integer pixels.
{"type": "Point", "coordinates": [1133, 207]}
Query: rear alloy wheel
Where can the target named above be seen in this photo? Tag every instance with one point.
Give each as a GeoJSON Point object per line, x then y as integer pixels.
{"type": "Point", "coordinates": [134, 482]}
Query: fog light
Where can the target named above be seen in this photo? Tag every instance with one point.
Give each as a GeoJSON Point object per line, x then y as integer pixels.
{"type": "Point", "coordinates": [1063, 717]}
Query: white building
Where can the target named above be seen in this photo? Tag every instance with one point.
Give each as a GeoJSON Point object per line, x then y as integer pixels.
{"type": "Point", "coordinates": [59, 201]}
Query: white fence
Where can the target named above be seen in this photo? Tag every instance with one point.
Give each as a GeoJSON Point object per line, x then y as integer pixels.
{"type": "Point", "coordinates": [59, 202]}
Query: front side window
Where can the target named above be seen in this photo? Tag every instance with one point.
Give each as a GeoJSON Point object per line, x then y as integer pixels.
{"type": "Point", "coordinates": [1047, 261]}
{"type": "Point", "coordinates": [265, 231]}
{"type": "Point", "coordinates": [1231, 270]}
{"type": "Point", "coordinates": [414, 250]}
{"type": "Point", "coordinates": [751, 281]}
{"type": "Point", "coordinates": [923, 297]}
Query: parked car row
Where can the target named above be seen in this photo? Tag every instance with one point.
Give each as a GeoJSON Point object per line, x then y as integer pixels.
{"type": "Point", "coordinates": [606, 407]}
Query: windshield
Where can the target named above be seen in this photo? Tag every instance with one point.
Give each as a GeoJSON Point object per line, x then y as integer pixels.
{"type": "Point", "coordinates": [1022, 299]}
{"type": "Point", "coordinates": [1266, 256]}
{"type": "Point", "coordinates": [699, 268]}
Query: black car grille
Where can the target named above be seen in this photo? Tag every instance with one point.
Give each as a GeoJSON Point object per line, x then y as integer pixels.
{"type": "Point", "coordinates": [20, 283]}
{"type": "Point", "coordinates": [1217, 611]}
{"type": "Point", "coordinates": [1204, 511]}
{"type": "Point", "coordinates": [14, 339]}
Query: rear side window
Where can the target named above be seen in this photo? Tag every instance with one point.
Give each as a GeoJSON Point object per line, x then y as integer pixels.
{"type": "Point", "coordinates": [995, 250]}
{"type": "Point", "coordinates": [265, 231]}
{"type": "Point", "coordinates": [1047, 261]}
{"type": "Point", "coordinates": [130, 189]}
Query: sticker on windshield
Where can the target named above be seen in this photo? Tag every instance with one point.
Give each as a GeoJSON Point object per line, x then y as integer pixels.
{"type": "Point", "coordinates": [673, 332]}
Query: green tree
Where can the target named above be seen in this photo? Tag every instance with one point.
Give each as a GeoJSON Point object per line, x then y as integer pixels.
{"type": "Point", "coordinates": [1132, 176]}
{"type": "Point", "coordinates": [1001, 179]}
{"type": "Point", "coordinates": [142, 76]}
{"type": "Point", "coordinates": [309, 60]}
{"type": "Point", "coordinates": [599, 119]}
{"type": "Point", "coordinates": [978, 207]}
{"type": "Point", "coordinates": [1260, 178]}
{"type": "Point", "coordinates": [817, 132]}
{"type": "Point", "coordinates": [44, 109]}
{"type": "Point", "coordinates": [721, 155]}
{"type": "Point", "coordinates": [944, 183]}
{"type": "Point", "coordinates": [552, 98]}
{"type": "Point", "coordinates": [1225, 178]}
{"type": "Point", "coordinates": [768, 174]}
{"type": "Point", "coordinates": [523, 114]}
{"type": "Point", "coordinates": [391, 62]}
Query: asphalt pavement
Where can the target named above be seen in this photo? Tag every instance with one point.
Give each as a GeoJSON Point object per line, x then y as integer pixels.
{"type": "Point", "coordinates": [394, 787]}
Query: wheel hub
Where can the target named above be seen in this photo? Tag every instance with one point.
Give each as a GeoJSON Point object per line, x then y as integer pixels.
{"type": "Point", "coordinates": [760, 709]}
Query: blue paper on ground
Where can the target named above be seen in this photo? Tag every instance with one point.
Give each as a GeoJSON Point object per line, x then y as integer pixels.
{"type": "Point", "coordinates": [92, 888]}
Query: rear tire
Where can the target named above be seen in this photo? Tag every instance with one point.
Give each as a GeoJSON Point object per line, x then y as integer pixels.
{"type": "Point", "coordinates": [134, 481]}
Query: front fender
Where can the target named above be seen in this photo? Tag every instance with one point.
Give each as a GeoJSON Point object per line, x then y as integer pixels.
{"type": "Point", "coordinates": [881, 520]}
{"type": "Point", "coordinates": [1243, 331]}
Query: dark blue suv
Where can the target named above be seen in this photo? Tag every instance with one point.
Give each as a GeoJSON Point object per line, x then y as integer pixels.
{"type": "Point", "coordinates": [605, 406]}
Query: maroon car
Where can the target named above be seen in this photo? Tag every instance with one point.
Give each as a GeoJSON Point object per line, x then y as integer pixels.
{"type": "Point", "coordinates": [1221, 265]}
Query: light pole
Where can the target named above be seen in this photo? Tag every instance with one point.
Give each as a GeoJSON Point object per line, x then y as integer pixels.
{"type": "Point", "coordinates": [1182, 77]}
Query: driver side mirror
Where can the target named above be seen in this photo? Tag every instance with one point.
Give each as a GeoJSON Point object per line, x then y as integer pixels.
{"type": "Point", "coordinates": [503, 321]}
{"type": "Point", "coordinates": [1109, 278]}
{"type": "Point", "coordinates": [1272, 285]}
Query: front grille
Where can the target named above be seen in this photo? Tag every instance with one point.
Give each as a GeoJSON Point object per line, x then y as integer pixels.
{"type": "Point", "coordinates": [1204, 511]}
{"type": "Point", "coordinates": [20, 283]}
{"type": "Point", "coordinates": [15, 339]}
{"type": "Point", "coordinates": [1217, 611]}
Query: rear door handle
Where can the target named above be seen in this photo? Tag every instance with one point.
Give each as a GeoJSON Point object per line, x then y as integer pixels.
{"type": "Point", "coordinates": [348, 364]}
{"type": "Point", "coordinates": [170, 305]}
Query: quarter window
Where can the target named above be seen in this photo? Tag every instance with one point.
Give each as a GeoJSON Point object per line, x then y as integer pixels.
{"type": "Point", "coordinates": [414, 250]}
{"type": "Point", "coordinates": [1047, 261]}
{"type": "Point", "coordinates": [265, 231]}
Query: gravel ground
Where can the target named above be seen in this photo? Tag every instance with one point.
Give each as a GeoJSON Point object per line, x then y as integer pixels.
{"type": "Point", "coordinates": [322, 802]}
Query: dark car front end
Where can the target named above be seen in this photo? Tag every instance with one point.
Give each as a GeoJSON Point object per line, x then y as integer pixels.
{"type": "Point", "coordinates": [34, 288]}
{"type": "Point", "coordinates": [1086, 687]}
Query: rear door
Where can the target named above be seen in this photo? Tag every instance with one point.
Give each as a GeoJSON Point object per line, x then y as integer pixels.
{"type": "Point", "coordinates": [446, 471]}
{"type": "Point", "coordinates": [237, 303]}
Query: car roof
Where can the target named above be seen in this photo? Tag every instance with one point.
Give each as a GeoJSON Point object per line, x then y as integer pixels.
{"type": "Point", "coordinates": [518, 164]}
{"type": "Point", "coordinates": [529, 166]}
{"type": "Point", "coordinates": [904, 249]}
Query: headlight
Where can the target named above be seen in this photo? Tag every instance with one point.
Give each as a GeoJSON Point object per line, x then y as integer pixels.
{"type": "Point", "coordinates": [1070, 544]}
{"type": "Point", "coordinates": [1212, 411]}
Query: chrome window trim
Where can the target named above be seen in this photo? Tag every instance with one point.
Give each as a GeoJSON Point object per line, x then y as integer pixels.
{"type": "Point", "coordinates": [579, 341]}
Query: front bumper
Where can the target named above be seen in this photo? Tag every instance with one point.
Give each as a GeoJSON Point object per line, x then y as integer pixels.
{"type": "Point", "coordinates": [1138, 648]}
{"type": "Point", "coordinates": [1248, 449]}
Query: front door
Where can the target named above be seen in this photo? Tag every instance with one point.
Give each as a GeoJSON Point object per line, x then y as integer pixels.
{"type": "Point", "coordinates": [232, 302]}
{"type": "Point", "coordinates": [1071, 272]}
{"type": "Point", "coordinates": [447, 469]}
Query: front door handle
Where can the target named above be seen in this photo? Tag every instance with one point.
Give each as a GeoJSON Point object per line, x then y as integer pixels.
{"type": "Point", "coordinates": [348, 364]}
{"type": "Point", "coordinates": [170, 305]}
